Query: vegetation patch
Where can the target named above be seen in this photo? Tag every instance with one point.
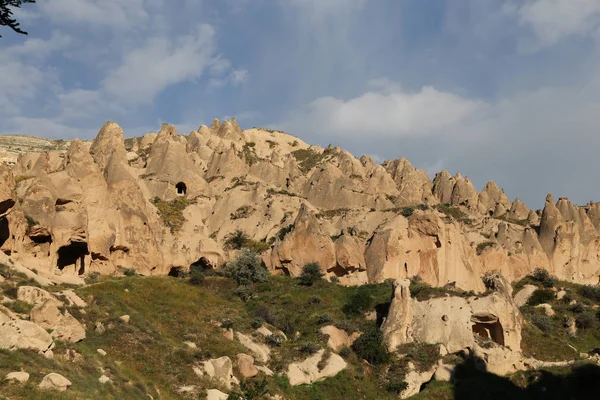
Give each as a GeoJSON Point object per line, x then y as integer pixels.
{"type": "Point", "coordinates": [239, 240]}
{"type": "Point", "coordinates": [307, 159]}
{"type": "Point", "coordinates": [171, 212]}
{"type": "Point", "coordinates": [242, 212]}
{"type": "Point", "coordinates": [481, 247]}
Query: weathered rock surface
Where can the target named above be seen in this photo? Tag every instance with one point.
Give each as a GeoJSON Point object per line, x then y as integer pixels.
{"type": "Point", "coordinates": [452, 321]}
{"type": "Point", "coordinates": [71, 208]}
{"type": "Point", "coordinates": [54, 381]}
{"type": "Point", "coordinates": [220, 369]}
{"type": "Point", "coordinates": [20, 376]}
{"type": "Point", "coordinates": [338, 338]}
{"type": "Point", "coordinates": [308, 371]}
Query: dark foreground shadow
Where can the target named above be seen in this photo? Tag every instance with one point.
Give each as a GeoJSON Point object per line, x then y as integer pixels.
{"type": "Point", "coordinates": [472, 382]}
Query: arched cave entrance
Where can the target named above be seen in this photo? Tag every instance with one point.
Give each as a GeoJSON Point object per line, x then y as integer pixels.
{"type": "Point", "coordinates": [177, 272]}
{"type": "Point", "coordinates": [202, 264]}
{"type": "Point", "coordinates": [73, 254]}
{"type": "Point", "coordinates": [488, 327]}
{"type": "Point", "coordinates": [181, 189]}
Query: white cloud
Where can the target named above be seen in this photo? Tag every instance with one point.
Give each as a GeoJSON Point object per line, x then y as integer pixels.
{"type": "Point", "coordinates": [111, 13]}
{"type": "Point", "coordinates": [554, 20]}
{"type": "Point", "coordinates": [388, 112]}
{"type": "Point", "coordinates": [161, 62]}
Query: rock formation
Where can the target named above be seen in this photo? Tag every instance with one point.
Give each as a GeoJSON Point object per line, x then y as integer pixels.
{"type": "Point", "coordinates": [166, 201]}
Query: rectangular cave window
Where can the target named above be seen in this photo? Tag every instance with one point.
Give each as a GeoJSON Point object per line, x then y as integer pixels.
{"type": "Point", "coordinates": [488, 327]}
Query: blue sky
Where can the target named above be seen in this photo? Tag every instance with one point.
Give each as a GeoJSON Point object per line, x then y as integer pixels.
{"type": "Point", "coordinates": [507, 90]}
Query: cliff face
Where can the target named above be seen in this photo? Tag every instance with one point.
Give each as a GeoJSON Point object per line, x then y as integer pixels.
{"type": "Point", "coordinates": [167, 201]}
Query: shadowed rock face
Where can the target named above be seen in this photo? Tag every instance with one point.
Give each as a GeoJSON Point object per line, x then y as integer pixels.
{"type": "Point", "coordinates": [166, 201]}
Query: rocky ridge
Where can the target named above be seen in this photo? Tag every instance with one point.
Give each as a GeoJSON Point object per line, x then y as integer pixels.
{"type": "Point", "coordinates": [166, 201]}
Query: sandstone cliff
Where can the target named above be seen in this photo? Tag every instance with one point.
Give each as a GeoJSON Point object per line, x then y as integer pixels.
{"type": "Point", "coordinates": [167, 201]}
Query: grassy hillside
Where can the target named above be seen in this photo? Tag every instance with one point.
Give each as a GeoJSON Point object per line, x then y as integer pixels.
{"type": "Point", "coordinates": [148, 356]}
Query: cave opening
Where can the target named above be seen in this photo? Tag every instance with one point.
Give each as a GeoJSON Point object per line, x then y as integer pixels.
{"type": "Point", "coordinates": [202, 264]}
{"type": "Point", "coordinates": [488, 327]}
{"type": "Point", "coordinates": [4, 230]}
{"type": "Point", "coordinates": [73, 254]}
{"type": "Point", "coordinates": [181, 189]}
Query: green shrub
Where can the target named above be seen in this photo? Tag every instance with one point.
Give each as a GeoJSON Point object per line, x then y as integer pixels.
{"type": "Point", "coordinates": [130, 272]}
{"type": "Point", "coordinates": [246, 269]}
{"type": "Point", "coordinates": [274, 340]}
{"type": "Point", "coordinates": [256, 323]}
{"type": "Point", "coordinates": [240, 240]}
{"type": "Point", "coordinates": [309, 348]}
{"type": "Point", "coordinates": [543, 276]}
{"type": "Point", "coordinates": [541, 296]}
{"type": "Point", "coordinates": [585, 320]}
{"type": "Point", "coordinates": [250, 390]}
{"type": "Point", "coordinates": [287, 324]}
{"type": "Point", "coordinates": [371, 347]}
{"type": "Point", "coordinates": [196, 276]}
{"type": "Point", "coordinates": [482, 246]}
{"type": "Point", "coordinates": [31, 222]}
{"type": "Point", "coordinates": [543, 322]}
{"type": "Point", "coordinates": [92, 277]}
{"type": "Point", "coordinates": [358, 303]}
{"type": "Point", "coordinates": [324, 318]}
{"type": "Point", "coordinates": [311, 273]}
{"type": "Point", "coordinates": [396, 387]}
{"type": "Point", "coordinates": [334, 279]}
{"type": "Point", "coordinates": [314, 300]}
{"type": "Point", "coordinates": [407, 211]}
{"type": "Point", "coordinates": [264, 314]}
{"type": "Point", "coordinates": [245, 292]}
{"type": "Point", "coordinates": [590, 292]}
{"type": "Point", "coordinates": [345, 352]}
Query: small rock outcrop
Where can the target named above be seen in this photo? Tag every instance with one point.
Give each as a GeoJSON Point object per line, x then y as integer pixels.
{"type": "Point", "coordinates": [54, 381]}
{"type": "Point", "coordinates": [308, 371]}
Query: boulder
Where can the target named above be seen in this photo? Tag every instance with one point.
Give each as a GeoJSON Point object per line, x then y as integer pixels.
{"type": "Point", "coordinates": [547, 309]}
{"type": "Point", "coordinates": [214, 394]}
{"type": "Point", "coordinates": [54, 381]}
{"type": "Point", "coordinates": [20, 376]}
{"type": "Point", "coordinates": [19, 334]}
{"type": "Point", "coordinates": [34, 295]}
{"type": "Point", "coordinates": [220, 369]}
{"type": "Point", "coordinates": [524, 294]}
{"type": "Point", "coordinates": [338, 338]}
{"type": "Point", "coordinates": [415, 379]}
{"type": "Point", "coordinates": [261, 351]}
{"type": "Point", "coordinates": [245, 364]}
{"type": "Point", "coordinates": [64, 326]}
{"type": "Point", "coordinates": [308, 371]}
{"type": "Point", "coordinates": [104, 379]}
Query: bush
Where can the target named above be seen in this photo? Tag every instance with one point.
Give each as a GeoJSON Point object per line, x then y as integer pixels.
{"type": "Point", "coordinates": [370, 346]}
{"type": "Point", "coordinates": [309, 348]}
{"type": "Point", "coordinates": [492, 280]}
{"type": "Point", "coordinates": [543, 322]}
{"type": "Point", "coordinates": [130, 272]}
{"type": "Point", "coordinates": [246, 269]}
{"type": "Point", "coordinates": [541, 296]}
{"type": "Point", "coordinates": [324, 318]}
{"type": "Point", "coordinates": [543, 276]}
{"type": "Point", "coordinates": [345, 352]}
{"type": "Point", "coordinates": [358, 303]}
{"type": "Point", "coordinates": [245, 292]}
{"type": "Point", "coordinates": [250, 390]}
{"type": "Point", "coordinates": [274, 340]}
{"type": "Point", "coordinates": [311, 273]}
{"type": "Point", "coordinates": [256, 323]}
{"type": "Point", "coordinates": [287, 324]}
{"type": "Point", "coordinates": [590, 292]}
{"type": "Point", "coordinates": [264, 314]}
{"type": "Point", "coordinates": [314, 300]}
{"type": "Point", "coordinates": [407, 212]}
{"type": "Point", "coordinates": [585, 320]}
{"type": "Point", "coordinates": [482, 246]}
{"type": "Point", "coordinates": [334, 279]}
{"type": "Point", "coordinates": [196, 276]}
{"type": "Point", "coordinates": [396, 387]}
